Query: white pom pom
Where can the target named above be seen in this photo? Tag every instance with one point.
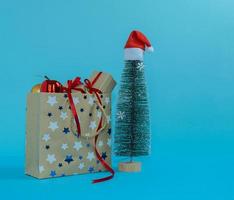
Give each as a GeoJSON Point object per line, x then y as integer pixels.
{"type": "Point", "coordinates": [149, 49]}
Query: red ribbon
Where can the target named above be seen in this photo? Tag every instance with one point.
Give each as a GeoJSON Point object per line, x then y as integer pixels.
{"type": "Point", "coordinates": [102, 161]}
{"type": "Point", "coordinates": [72, 85]}
{"type": "Point", "coordinates": [89, 85]}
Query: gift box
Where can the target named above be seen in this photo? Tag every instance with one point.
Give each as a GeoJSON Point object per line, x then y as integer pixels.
{"type": "Point", "coordinates": [104, 83]}
{"type": "Point", "coordinates": [70, 132]}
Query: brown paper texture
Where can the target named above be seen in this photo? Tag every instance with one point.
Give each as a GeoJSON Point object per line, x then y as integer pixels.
{"type": "Point", "coordinates": [105, 82]}
{"type": "Point", "coordinates": [52, 146]}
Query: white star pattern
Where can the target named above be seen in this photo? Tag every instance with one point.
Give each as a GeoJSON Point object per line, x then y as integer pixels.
{"type": "Point", "coordinates": [51, 158]}
{"type": "Point", "coordinates": [76, 100]}
{"type": "Point", "coordinates": [108, 119]}
{"type": "Point", "coordinates": [99, 114]}
{"type": "Point", "coordinates": [90, 156]}
{"type": "Point", "coordinates": [107, 100]}
{"type": "Point", "coordinates": [77, 145]}
{"type": "Point", "coordinates": [121, 115]}
{"type": "Point", "coordinates": [140, 66]}
{"type": "Point", "coordinates": [41, 168]}
{"type": "Point", "coordinates": [140, 93]}
{"type": "Point", "coordinates": [52, 100]}
{"type": "Point", "coordinates": [64, 146]}
{"type": "Point", "coordinates": [81, 166]}
{"type": "Point", "coordinates": [91, 101]}
{"type": "Point", "coordinates": [92, 125]}
{"type": "Point", "coordinates": [87, 134]}
{"type": "Point", "coordinates": [109, 142]}
{"type": "Point", "coordinates": [53, 126]}
{"type": "Point", "coordinates": [63, 115]}
{"type": "Point", "coordinates": [46, 137]}
{"type": "Point", "coordinates": [100, 143]}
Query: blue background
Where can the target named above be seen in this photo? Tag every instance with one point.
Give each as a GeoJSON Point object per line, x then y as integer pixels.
{"type": "Point", "coordinates": [190, 80]}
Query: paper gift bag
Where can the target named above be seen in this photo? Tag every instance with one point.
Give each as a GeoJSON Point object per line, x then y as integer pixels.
{"type": "Point", "coordinates": [53, 145]}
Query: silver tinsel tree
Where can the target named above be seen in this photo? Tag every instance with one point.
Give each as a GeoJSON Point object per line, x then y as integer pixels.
{"type": "Point", "coordinates": [132, 132]}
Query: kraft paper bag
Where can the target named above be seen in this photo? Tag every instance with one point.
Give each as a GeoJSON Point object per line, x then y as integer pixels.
{"type": "Point", "coordinates": [53, 147]}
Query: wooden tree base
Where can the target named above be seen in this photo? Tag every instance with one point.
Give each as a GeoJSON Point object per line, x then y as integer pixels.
{"type": "Point", "coordinates": [130, 166]}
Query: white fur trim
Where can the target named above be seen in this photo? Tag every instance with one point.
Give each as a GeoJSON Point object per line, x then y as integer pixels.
{"type": "Point", "coordinates": [133, 54]}
{"type": "Point", "coordinates": [149, 49]}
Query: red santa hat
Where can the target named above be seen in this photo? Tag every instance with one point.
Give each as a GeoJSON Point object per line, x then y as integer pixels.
{"type": "Point", "coordinates": [135, 46]}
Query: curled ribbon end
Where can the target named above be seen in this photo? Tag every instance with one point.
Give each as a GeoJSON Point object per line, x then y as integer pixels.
{"type": "Point", "coordinates": [89, 85]}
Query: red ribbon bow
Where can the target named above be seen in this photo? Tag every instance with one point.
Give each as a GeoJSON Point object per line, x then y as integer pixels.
{"type": "Point", "coordinates": [73, 85]}
{"type": "Point", "coordinates": [89, 85]}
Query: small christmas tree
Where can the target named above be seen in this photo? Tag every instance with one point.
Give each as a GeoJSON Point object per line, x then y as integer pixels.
{"type": "Point", "coordinates": [132, 133]}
